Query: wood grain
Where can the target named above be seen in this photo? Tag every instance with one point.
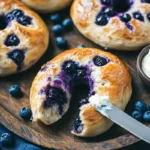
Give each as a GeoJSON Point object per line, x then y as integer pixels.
{"type": "Point", "coordinates": [58, 135]}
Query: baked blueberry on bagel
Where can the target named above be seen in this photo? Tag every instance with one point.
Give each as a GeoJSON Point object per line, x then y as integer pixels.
{"type": "Point", "coordinates": [47, 6]}
{"type": "Point", "coordinates": [23, 37]}
{"type": "Point", "coordinates": [102, 72]}
{"type": "Point", "coordinates": [114, 24]}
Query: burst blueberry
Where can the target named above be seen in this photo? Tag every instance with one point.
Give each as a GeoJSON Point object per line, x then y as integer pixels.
{"type": "Point", "coordinates": [61, 42]}
{"type": "Point", "coordinates": [14, 15]}
{"type": "Point", "coordinates": [125, 17]}
{"type": "Point", "coordinates": [101, 19]}
{"type": "Point", "coordinates": [77, 125]}
{"type": "Point", "coordinates": [100, 61]}
{"type": "Point", "coordinates": [55, 96]}
{"type": "Point", "coordinates": [57, 29]}
{"type": "Point", "coordinates": [140, 106]}
{"type": "Point", "coordinates": [17, 56]}
{"type": "Point", "coordinates": [106, 2]}
{"type": "Point", "coordinates": [55, 18]}
{"type": "Point", "coordinates": [67, 23]}
{"type": "Point", "coordinates": [138, 16]}
{"type": "Point", "coordinates": [146, 116]}
{"type": "Point", "coordinates": [6, 139]}
{"type": "Point", "coordinates": [24, 20]}
{"type": "Point", "coordinates": [12, 40]}
{"type": "Point", "coordinates": [15, 91]}
{"type": "Point", "coordinates": [137, 115]}
{"type": "Point", "coordinates": [25, 113]}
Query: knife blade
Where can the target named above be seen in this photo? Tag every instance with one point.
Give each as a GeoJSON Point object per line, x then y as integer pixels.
{"type": "Point", "coordinates": [124, 120]}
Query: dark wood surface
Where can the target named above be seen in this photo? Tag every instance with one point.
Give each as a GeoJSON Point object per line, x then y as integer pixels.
{"type": "Point", "coordinates": [58, 135]}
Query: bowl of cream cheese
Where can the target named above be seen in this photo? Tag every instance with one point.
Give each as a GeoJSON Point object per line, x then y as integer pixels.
{"type": "Point", "coordinates": [143, 64]}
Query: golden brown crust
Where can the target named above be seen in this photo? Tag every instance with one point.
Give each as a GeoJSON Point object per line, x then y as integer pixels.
{"type": "Point", "coordinates": [112, 80]}
{"type": "Point", "coordinates": [47, 6]}
{"type": "Point", "coordinates": [114, 35]}
{"type": "Point", "coordinates": [33, 38]}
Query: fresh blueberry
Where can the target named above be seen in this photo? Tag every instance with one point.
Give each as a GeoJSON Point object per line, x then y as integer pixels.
{"type": "Point", "coordinates": [14, 15]}
{"type": "Point", "coordinates": [109, 11]}
{"type": "Point", "coordinates": [81, 46]}
{"type": "Point", "coordinates": [146, 116]}
{"type": "Point", "coordinates": [101, 19]}
{"type": "Point", "coordinates": [57, 29]}
{"type": "Point", "coordinates": [77, 125]}
{"type": "Point", "coordinates": [2, 23]}
{"type": "Point", "coordinates": [148, 16]}
{"type": "Point", "coordinates": [106, 2]}
{"type": "Point", "coordinates": [25, 113]}
{"type": "Point", "coordinates": [140, 106]}
{"type": "Point", "coordinates": [67, 23]}
{"type": "Point", "coordinates": [125, 17]}
{"type": "Point", "coordinates": [12, 40]}
{"type": "Point", "coordinates": [55, 95]}
{"type": "Point", "coordinates": [137, 115]}
{"type": "Point", "coordinates": [61, 42]}
{"type": "Point", "coordinates": [55, 18]}
{"type": "Point", "coordinates": [17, 56]}
{"type": "Point", "coordinates": [84, 101]}
{"type": "Point", "coordinates": [100, 61]}
{"type": "Point", "coordinates": [138, 16]}
{"type": "Point", "coordinates": [6, 139]}
{"type": "Point", "coordinates": [148, 106]}
{"type": "Point", "coordinates": [24, 20]}
{"type": "Point", "coordinates": [15, 91]}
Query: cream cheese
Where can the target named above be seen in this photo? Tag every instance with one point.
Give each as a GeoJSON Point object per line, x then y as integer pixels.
{"type": "Point", "coordinates": [146, 64]}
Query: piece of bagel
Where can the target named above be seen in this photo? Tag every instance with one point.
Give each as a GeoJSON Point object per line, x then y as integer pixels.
{"type": "Point", "coordinates": [52, 88]}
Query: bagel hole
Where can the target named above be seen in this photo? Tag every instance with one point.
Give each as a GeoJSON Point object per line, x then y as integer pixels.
{"type": "Point", "coordinates": [3, 24]}
{"type": "Point", "coordinates": [122, 5]}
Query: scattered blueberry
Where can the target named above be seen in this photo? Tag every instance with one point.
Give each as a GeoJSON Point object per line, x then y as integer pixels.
{"type": "Point", "coordinates": [100, 61]}
{"type": "Point", "coordinates": [12, 40]}
{"type": "Point", "coordinates": [24, 20]}
{"type": "Point", "coordinates": [77, 125]}
{"type": "Point", "coordinates": [67, 23]}
{"type": "Point", "coordinates": [146, 116]}
{"type": "Point", "coordinates": [138, 16]}
{"type": "Point", "coordinates": [101, 19]}
{"type": "Point", "coordinates": [81, 46]}
{"type": "Point", "coordinates": [57, 29]}
{"type": "Point", "coordinates": [55, 18]}
{"type": "Point", "coordinates": [6, 139]}
{"type": "Point", "coordinates": [61, 42]}
{"type": "Point", "coordinates": [15, 91]}
{"type": "Point", "coordinates": [106, 2]}
{"type": "Point", "coordinates": [140, 106]}
{"type": "Point", "coordinates": [148, 17]}
{"type": "Point", "coordinates": [55, 95]}
{"type": "Point", "coordinates": [25, 113]}
{"type": "Point", "coordinates": [125, 17]}
{"type": "Point", "coordinates": [137, 115]}
{"type": "Point", "coordinates": [2, 23]}
{"type": "Point", "coordinates": [14, 15]}
{"type": "Point", "coordinates": [109, 11]}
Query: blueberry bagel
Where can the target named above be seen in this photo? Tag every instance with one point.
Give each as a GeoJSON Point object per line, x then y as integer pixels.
{"type": "Point", "coordinates": [47, 6]}
{"type": "Point", "coordinates": [23, 37]}
{"type": "Point", "coordinates": [102, 72]}
{"type": "Point", "coordinates": [114, 24]}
